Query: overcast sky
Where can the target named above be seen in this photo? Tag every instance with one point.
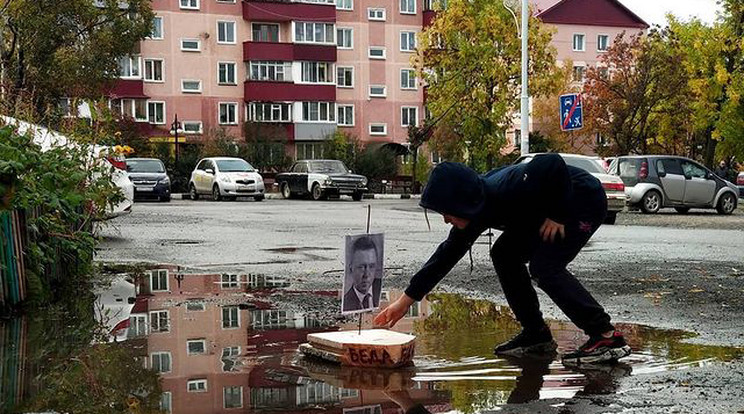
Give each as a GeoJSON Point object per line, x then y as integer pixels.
{"type": "Point", "coordinates": [653, 11]}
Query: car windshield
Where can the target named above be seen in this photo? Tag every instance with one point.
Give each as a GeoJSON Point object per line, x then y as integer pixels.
{"type": "Point", "coordinates": [586, 164]}
{"type": "Point", "coordinates": [145, 166]}
{"type": "Point", "coordinates": [234, 166]}
{"type": "Point", "coordinates": [337, 167]}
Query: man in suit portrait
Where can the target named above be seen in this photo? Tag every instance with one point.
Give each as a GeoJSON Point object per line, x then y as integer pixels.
{"type": "Point", "coordinates": [363, 270]}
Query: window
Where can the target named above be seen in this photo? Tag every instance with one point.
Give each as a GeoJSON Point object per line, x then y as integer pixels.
{"type": "Point", "coordinates": [344, 4]}
{"type": "Point", "coordinates": [317, 72]}
{"type": "Point", "coordinates": [198, 385]}
{"type": "Point", "coordinates": [196, 346]}
{"type": "Point", "coordinates": [157, 28]}
{"type": "Point", "coordinates": [263, 32]}
{"type": "Point", "coordinates": [693, 170]}
{"type": "Point", "coordinates": [229, 281]}
{"type": "Point", "coordinates": [345, 38]}
{"type": "Point", "coordinates": [195, 305]}
{"type": "Point", "coordinates": [578, 73]}
{"type": "Point", "coordinates": [133, 108]}
{"type": "Point", "coordinates": [407, 79]}
{"type": "Point", "coordinates": [190, 45]}
{"type": "Point", "coordinates": [376, 13]}
{"type": "Point", "coordinates": [378, 129]}
{"type": "Point", "coordinates": [409, 116]}
{"type": "Point", "coordinates": [166, 402]}
{"type": "Point", "coordinates": [156, 113]}
{"type": "Point", "coordinates": [603, 43]}
{"type": "Point", "coordinates": [159, 280]}
{"type": "Point", "coordinates": [228, 113]}
{"type": "Point", "coordinates": [408, 6]}
{"type": "Point", "coordinates": [270, 112]}
{"type": "Point", "coordinates": [159, 321]}
{"type": "Point", "coordinates": [307, 32]}
{"type": "Point", "coordinates": [377, 91]}
{"type": "Point", "coordinates": [153, 70]}
{"type": "Point", "coordinates": [129, 67]}
{"type": "Point", "coordinates": [137, 326]}
{"type": "Point", "coordinates": [269, 318]}
{"type": "Point", "coordinates": [229, 358]}
{"type": "Point", "coordinates": [345, 76]}
{"type": "Point", "coordinates": [191, 86]}
{"type": "Point", "coordinates": [407, 41]}
{"type": "Point", "coordinates": [271, 71]}
{"type": "Point", "coordinates": [310, 151]}
{"type": "Point", "coordinates": [413, 311]}
{"type": "Point", "coordinates": [230, 317]}
{"type": "Point", "coordinates": [190, 4]}
{"type": "Point", "coordinates": [669, 166]}
{"type": "Point", "coordinates": [318, 112]}
{"type": "Point", "coordinates": [376, 52]}
{"type": "Point", "coordinates": [578, 42]}
{"type": "Point", "coordinates": [226, 33]}
{"type": "Point", "coordinates": [192, 127]}
{"type": "Point", "coordinates": [232, 397]}
{"type": "Point", "coordinates": [345, 115]}
{"type": "Point", "coordinates": [226, 73]}
{"type": "Point", "coordinates": [160, 361]}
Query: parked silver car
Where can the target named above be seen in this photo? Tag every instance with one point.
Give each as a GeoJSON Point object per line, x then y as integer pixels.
{"type": "Point", "coordinates": [653, 182]}
{"type": "Point", "coordinates": [226, 177]}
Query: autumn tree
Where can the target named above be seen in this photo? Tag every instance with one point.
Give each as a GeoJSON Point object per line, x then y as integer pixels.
{"type": "Point", "coordinates": [471, 61]}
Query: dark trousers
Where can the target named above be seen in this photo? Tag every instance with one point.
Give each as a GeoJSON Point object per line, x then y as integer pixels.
{"type": "Point", "coordinates": [547, 265]}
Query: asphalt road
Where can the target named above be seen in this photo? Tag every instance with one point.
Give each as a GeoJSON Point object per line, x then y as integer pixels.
{"type": "Point", "coordinates": [667, 271]}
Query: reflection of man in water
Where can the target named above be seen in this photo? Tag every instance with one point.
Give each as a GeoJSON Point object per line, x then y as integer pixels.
{"type": "Point", "coordinates": [365, 290]}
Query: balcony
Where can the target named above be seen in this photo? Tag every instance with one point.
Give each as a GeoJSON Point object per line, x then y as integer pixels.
{"type": "Point", "coordinates": [288, 52]}
{"type": "Point", "coordinates": [267, 91]}
{"type": "Point", "coordinates": [127, 88]}
{"type": "Point", "coordinates": [286, 11]}
{"type": "Point", "coordinates": [429, 16]}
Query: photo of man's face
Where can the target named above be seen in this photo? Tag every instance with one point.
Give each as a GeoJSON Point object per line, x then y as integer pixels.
{"type": "Point", "coordinates": [363, 273]}
{"type": "Point", "coordinates": [363, 267]}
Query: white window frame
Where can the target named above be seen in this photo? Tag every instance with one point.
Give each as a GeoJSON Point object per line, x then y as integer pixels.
{"type": "Point", "coordinates": [382, 95]}
{"type": "Point", "coordinates": [161, 353]}
{"type": "Point", "coordinates": [236, 325]}
{"type": "Point", "coordinates": [201, 305]}
{"type": "Point", "coordinates": [376, 17]}
{"type": "Point", "coordinates": [286, 70]}
{"type": "Point", "coordinates": [152, 61]}
{"type": "Point", "coordinates": [137, 321]}
{"type": "Point", "coordinates": [132, 109]}
{"type": "Point", "coordinates": [184, 90]}
{"type": "Point", "coordinates": [314, 68]}
{"type": "Point", "coordinates": [345, 8]}
{"type": "Point", "coordinates": [224, 400]}
{"type": "Point", "coordinates": [189, 6]}
{"type": "Point", "coordinates": [200, 385]}
{"type": "Point", "coordinates": [235, 73]}
{"type": "Point", "coordinates": [583, 42]}
{"type": "Point", "coordinates": [165, 116]}
{"type": "Point", "coordinates": [408, 109]}
{"type": "Point", "coordinates": [166, 402]}
{"type": "Point", "coordinates": [132, 59]}
{"type": "Point", "coordinates": [191, 39]}
{"type": "Point", "coordinates": [411, 73]}
{"type": "Point", "coordinates": [159, 273]}
{"type": "Point", "coordinates": [227, 23]}
{"type": "Point", "coordinates": [252, 111]}
{"type": "Point", "coordinates": [330, 112]}
{"type": "Point", "coordinates": [201, 129]}
{"type": "Point", "coordinates": [339, 107]}
{"type": "Point", "coordinates": [201, 341]}
{"type": "Point", "coordinates": [350, 31]}
{"type": "Point", "coordinates": [415, 41]}
{"type": "Point", "coordinates": [229, 281]}
{"type": "Point", "coordinates": [344, 68]}
{"type": "Point", "coordinates": [235, 113]}
{"type": "Point", "coordinates": [400, 7]}
{"type": "Point", "coordinates": [384, 125]}
{"type": "Point", "coordinates": [607, 45]}
{"type": "Point", "coordinates": [155, 319]}
{"type": "Point", "coordinates": [278, 31]}
{"type": "Point", "coordinates": [162, 30]}
{"type": "Point", "coordinates": [226, 1]}
{"type": "Point", "coordinates": [573, 73]}
{"type": "Point", "coordinates": [382, 48]}
{"type": "Point", "coordinates": [315, 42]}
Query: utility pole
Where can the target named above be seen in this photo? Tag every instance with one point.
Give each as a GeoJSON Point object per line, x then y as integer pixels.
{"type": "Point", "coordinates": [175, 126]}
{"type": "Point", "coordinates": [525, 106]}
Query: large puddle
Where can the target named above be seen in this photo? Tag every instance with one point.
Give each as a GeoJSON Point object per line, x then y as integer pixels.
{"type": "Point", "coordinates": [228, 343]}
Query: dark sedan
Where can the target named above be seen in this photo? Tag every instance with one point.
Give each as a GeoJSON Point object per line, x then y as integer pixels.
{"type": "Point", "coordinates": [149, 178]}
{"type": "Point", "coordinates": [319, 179]}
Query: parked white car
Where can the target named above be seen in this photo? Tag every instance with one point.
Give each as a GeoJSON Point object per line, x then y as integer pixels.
{"type": "Point", "coordinates": [48, 139]}
{"type": "Point", "coordinates": [113, 306]}
{"type": "Point", "coordinates": [226, 178]}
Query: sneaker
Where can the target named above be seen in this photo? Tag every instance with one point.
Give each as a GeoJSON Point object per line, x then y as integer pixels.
{"type": "Point", "coordinates": [528, 343]}
{"type": "Point", "coordinates": [598, 350]}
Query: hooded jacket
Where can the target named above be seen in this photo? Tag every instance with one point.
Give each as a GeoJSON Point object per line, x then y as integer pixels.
{"type": "Point", "coordinates": [514, 198]}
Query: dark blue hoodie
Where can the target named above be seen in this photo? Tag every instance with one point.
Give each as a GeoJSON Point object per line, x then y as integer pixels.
{"type": "Point", "coordinates": [514, 198]}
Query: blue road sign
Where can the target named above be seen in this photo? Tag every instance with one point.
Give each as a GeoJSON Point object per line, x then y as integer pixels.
{"type": "Point", "coordinates": [572, 115]}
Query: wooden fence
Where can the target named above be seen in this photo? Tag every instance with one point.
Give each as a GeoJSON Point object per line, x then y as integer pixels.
{"type": "Point", "coordinates": [13, 242]}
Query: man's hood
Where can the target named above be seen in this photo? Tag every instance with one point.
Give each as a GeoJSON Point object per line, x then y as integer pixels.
{"type": "Point", "coordinates": [454, 189]}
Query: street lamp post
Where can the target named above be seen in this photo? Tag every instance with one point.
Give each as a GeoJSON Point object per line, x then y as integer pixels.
{"type": "Point", "coordinates": [175, 127]}
{"type": "Point", "coordinates": [524, 131]}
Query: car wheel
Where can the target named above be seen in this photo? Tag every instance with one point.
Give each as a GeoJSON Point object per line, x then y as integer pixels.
{"type": "Point", "coordinates": [651, 202]}
{"type": "Point", "coordinates": [194, 194]}
{"type": "Point", "coordinates": [286, 192]}
{"type": "Point", "coordinates": [165, 199]}
{"type": "Point", "coordinates": [726, 204]}
{"type": "Point", "coordinates": [357, 196]}
{"type": "Point", "coordinates": [682, 210]}
{"type": "Point", "coordinates": [216, 196]}
{"type": "Point", "coordinates": [317, 192]}
{"type": "Point", "coordinates": [259, 197]}
{"type": "Point", "coordinates": [611, 217]}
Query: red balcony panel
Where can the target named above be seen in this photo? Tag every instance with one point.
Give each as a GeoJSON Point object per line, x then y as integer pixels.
{"type": "Point", "coordinates": [429, 16]}
{"type": "Point", "coordinates": [127, 88]}
{"type": "Point", "coordinates": [287, 91]}
{"type": "Point", "coordinates": [267, 11]}
{"type": "Point", "coordinates": [288, 52]}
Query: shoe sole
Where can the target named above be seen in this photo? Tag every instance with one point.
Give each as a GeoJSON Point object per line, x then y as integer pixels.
{"type": "Point", "coordinates": [545, 348]}
{"type": "Point", "coordinates": [609, 355]}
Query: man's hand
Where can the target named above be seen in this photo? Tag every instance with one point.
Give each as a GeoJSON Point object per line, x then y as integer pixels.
{"type": "Point", "coordinates": [550, 229]}
{"type": "Point", "coordinates": [393, 312]}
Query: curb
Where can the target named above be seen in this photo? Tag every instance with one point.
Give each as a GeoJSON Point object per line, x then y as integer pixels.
{"type": "Point", "coordinates": [277, 196]}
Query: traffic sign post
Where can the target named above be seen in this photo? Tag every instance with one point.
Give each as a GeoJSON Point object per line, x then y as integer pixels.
{"type": "Point", "coordinates": [572, 114]}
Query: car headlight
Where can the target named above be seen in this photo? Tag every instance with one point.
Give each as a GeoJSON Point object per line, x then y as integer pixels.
{"type": "Point", "coordinates": [328, 181]}
{"type": "Point", "coordinates": [225, 178]}
{"type": "Point", "coordinates": [164, 181]}
{"type": "Point", "coordinates": [364, 181]}
{"type": "Point", "coordinates": [259, 179]}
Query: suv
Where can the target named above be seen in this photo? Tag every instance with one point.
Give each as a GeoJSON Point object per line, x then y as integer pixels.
{"type": "Point", "coordinates": [321, 178]}
{"type": "Point", "coordinates": [653, 182]}
{"type": "Point", "coordinates": [149, 178]}
{"type": "Point", "coordinates": [226, 177]}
